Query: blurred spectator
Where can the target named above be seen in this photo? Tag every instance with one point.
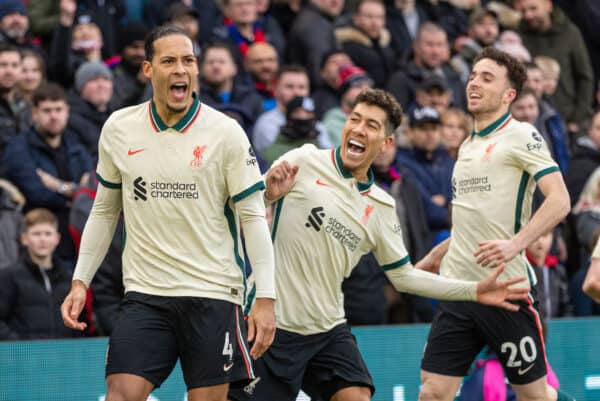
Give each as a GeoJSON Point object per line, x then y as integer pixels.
{"type": "Point", "coordinates": [432, 91]}
{"type": "Point", "coordinates": [353, 80]}
{"type": "Point", "coordinates": [431, 165]}
{"type": "Point", "coordinates": [586, 159]}
{"type": "Point", "coordinates": [587, 210]}
{"type": "Point", "coordinates": [74, 42]}
{"type": "Point", "coordinates": [44, 16]}
{"type": "Point", "coordinates": [431, 55]}
{"type": "Point", "coordinates": [552, 288]}
{"type": "Point", "coordinates": [285, 11]}
{"type": "Point", "coordinates": [367, 41]}
{"type": "Point", "coordinates": [262, 63]}
{"type": "Point", "coordinates": [33, 73]}
{"type": "Point", "coordinates": [292, 82]}
{"type": "Point", "coordinates": [550, 74]}
{"type": "Point", "coordinates": [456, 127]}
{"type": "Point", "coordinates": [483, 31]}
{"type": "Point", "coordinates": [11, 204]}
{"type": "Point", "coordinates": [327, 94]}
{"type": "Point", "coordinates": [242, 28]}
{"type": "Point", "coordinates": [511, 43]}
{"type": "Point", "coordinates": [34, 288]}
{"type": "Point", "coordinates": [584, 304]}
{"type": "Point", "coordinates": [130, 85]}
{"type": "Point", "coordinates": [300, 128]}
{"type": "Point", "coordinates": [14, 24]}
{"type": "Point", "coordinates": [107, 286]}
{"type": "Point", "coordinates": [271, 24]}
{"type": "Point", "coordinates": [209, 15]}
{"type": "Point", "coordinates": [15, 113]}
{"type": "Point", "coordinates": [106, 14]}
{"type": "Point", "coordinates": [220, 83]}
{"type": "Point", "coordinates": [89, 103]}
{"type": "Point", "coordinates": [403, 19]}
{"type": "Point", "coordinates": [546, 30]}
{"type": "Point", "coordinates": [591, 283]}
{"type": "Point", "coordinates": [526, 108]}
{"type": "Point", "coordinates": [186, 18]}
{"type": "Point", "coordinates": [46, 165]}
{"type": "Point", "coordinates": [452, 16]}
{"type": "Point", "coordinates": [311, 36]}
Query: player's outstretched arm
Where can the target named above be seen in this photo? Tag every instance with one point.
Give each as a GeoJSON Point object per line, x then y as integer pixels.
{"type": "Point", "coordinates": [280, 180]}
{"type": "Point", "coordinates": [552, 211]}
{"type": "Point", "coordinates": [261, 321]}
{"type": "Point", "coordinates": [490, 291]}
{"type": "Point", "coordinates": [97, 236]}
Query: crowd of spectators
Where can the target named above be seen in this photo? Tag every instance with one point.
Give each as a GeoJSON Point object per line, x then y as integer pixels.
{"type": "Point", "coordinates": [288, 72]}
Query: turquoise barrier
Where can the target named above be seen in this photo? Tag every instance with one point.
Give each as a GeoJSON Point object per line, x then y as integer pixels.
{"type": "Point", "coordinates": [74, 369]}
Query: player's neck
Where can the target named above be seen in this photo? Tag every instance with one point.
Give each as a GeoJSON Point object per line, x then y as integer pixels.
{"type": "Point", "coordinates": [361, 175]}
{"type": "Point", "coordinates": [168, 116]}
{"type": "Point", "coordinates": [483, 120]}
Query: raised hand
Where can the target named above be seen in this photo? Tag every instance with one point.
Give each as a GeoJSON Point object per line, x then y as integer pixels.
{"type": "Point", "coordinates": [491, 291]}
{"type": "Point", "coordinates": [280, 180]}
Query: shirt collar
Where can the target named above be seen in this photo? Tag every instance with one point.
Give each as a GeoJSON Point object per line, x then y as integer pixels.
{"type": "Point", "coordinates": [495, 126]}
{"type": "Point", "coordinates": [363, 187]}
{"type": "Point", "coordinates": [183, 124]}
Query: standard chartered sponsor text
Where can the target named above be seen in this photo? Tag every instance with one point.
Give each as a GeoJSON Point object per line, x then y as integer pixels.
{"type": "Point", "coordinates": [173, 190]}
{"type": "Point", "coordinates": [342, 233]}
{"type": "Point", "coordinates": [474, 184]}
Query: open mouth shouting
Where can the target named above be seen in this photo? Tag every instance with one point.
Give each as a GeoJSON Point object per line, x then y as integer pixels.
{"type": "Point", "coordinates": [178, 91]}
{"type": "Point", "coordinates": [355, 148]}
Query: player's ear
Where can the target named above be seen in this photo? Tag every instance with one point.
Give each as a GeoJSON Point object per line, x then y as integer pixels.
{"type": "Point", "coordinates": [510, 95]}
{"type": "Point", "coordinates": [147, 69]}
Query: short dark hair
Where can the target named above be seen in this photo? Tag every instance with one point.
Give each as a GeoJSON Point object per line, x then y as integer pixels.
{"type": "Point", "coordinates": [526, 92]}
{"type": "Point", "coordinates": [157, 33]}
{"type": "Point", "coordinates": [9, 48]}
{"type": "Point", "coordinates": [387, 102]}
{"type": "Point", "coordinates": [359, 3]}
{"type": "Point", "coordinates": [49, 91]}
{"type": "Point", "coordinates": [291, 68]}
{"type": "Point", "coordinates": [39, 216]}
{"type": "Point", "coordinates": [217, 44]}
{"type": "Point", "coordinates": [515, 70]}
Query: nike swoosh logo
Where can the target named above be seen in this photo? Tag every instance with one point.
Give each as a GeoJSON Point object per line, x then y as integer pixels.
{"type": "Point", "coordinates": [319, 182]}
{"type": "Point", "coordinates": [521, 372]}
{"type": "Point", "coordinates": [133, 152]}
{"type": "Point", "coordinates": [227, 367]}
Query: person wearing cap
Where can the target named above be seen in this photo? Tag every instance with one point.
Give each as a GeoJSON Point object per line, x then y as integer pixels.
{"type": "Point", "coordinates": [76, 39]}
{"type": "Point", "coordinates": [130, 85]}
{"type": "Point", "coordinates": [431, 53]}
{"type": "Point", "coordinates": [89, 103]}
{"type": "Point", "coordinates": [430, 164]}
{"type": "Point", "coordinates": [300, 128]}
{"type": "Point", "coordinates": [14, 25]}
{"type": "Point", "coordinates": [367, 41]}
{"type": "Point", "coordinates": [186, 18]}
{"type": "Point", "coordinates": [484, 29]}
{"type": "Point", "coordinates": [352, 81]}
{"type": "Point", "coordinates": [433, 92]}
{"type": "Point", "coordinates": [327, 94]}
{"type": "Point", "coordinates": [47, 163]}
{"type": "Point", "coordinates": [220, 83]}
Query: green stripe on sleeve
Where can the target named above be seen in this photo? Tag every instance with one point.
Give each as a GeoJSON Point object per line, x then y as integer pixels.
{"type": "Point", "coordinates": [108, 184]}
{"type": "Point", "coordinates": [399, 263]}
{"type": "Point", "coordinates": [278, 207]}
{"type": "Point", "coordinates": [248, 191]}
{"type": "Point", "coordinates": [544, 172]}
{"type": "Point", "coordinates": [520, 198]}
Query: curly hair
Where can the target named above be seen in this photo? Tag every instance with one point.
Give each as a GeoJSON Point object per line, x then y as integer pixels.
{"type": "Point", "coordinates": [385, 101]}
{"type": "Point", "coordinates": [515, 70]}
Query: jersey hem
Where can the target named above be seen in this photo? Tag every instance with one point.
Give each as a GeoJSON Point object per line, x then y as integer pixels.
{"type": "Point", "coordinates": [185, 292]}
{"type": "Point", "coordinates": [301, 329]}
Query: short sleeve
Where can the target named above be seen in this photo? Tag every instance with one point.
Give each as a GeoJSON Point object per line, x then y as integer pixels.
{"type": "Point", "coordinates": [390, 250]}
{"type": "Point", "coordinates": [531, 153]}
{"type": "Point", "coordinates": [242, 174]}
{"type": "Point", "coordinates": [107, 172]}
{"type": "Point", "coordinates": [596, 253]}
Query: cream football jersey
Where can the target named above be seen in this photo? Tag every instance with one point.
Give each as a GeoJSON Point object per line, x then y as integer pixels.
{"type": "Point", "coordinates": [493, 183]}
{"type": "Point", "coordinates": [321, 228]}
{"type": "Point", "coordinates": [179, 188]}
{"type": "Point", "coordinates": [596, 252]}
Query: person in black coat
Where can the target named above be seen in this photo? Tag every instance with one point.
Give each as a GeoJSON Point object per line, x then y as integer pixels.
{"type": "Point", "coordinates": [32, 290]}
{"type": "Point", "coordinates": [585, 159]}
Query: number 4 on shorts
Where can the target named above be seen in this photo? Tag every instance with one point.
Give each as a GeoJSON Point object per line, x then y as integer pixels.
{"type": "Point", "coordinates": [227, 347]}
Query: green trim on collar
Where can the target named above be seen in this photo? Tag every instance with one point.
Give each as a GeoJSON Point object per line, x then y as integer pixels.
{"type": "Point", "coordinates": [492, 127]}
{"type": "Point", "coordinates": [365, 186]}
{"type": "Point", "coordinates": [339, 164]}
{"type": "Point", "coordinates": [181, 124]}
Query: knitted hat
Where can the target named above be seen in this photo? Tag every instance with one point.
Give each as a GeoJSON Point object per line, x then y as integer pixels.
{"type": "Point", "coordinates": [8, 7]}
{"type": "Point", "coordinates": [88, 72]}
{"type": "Point", "coordinates": [350, 76]}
